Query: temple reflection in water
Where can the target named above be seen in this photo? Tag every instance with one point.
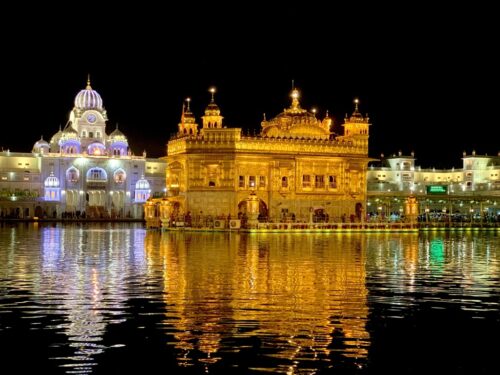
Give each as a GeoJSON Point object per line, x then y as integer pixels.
{"type": "Point", "coordinates": [79, 298]}
{"type": "Point", "coordinates": [296, 295]}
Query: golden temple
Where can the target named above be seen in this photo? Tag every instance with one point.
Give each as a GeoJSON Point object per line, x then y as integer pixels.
{"type": "Point", "coordinates": [296, 168]}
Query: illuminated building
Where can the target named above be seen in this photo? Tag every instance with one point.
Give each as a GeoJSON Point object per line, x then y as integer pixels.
{"type": "Point", "coordinates": [296, 166]}
{"type": "Point", "coordinates": [473, 190]}
{"type": "Point", "coordinates": [81, 171]}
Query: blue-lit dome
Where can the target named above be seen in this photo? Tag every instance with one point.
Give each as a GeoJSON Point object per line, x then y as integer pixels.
{"type": "Point", "coordinates": [88, 98]}
{"type": "Point", "coordinates": [51, 181]}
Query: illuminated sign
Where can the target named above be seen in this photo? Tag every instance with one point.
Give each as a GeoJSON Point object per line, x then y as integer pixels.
{"type": "Point", "coordinates": [437, 189]}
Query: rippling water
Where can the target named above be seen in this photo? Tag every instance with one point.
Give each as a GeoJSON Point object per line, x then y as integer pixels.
{"type": "Point", "coordinates": [115, 298]}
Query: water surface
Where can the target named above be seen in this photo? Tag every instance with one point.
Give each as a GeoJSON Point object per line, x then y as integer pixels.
{"type": "Point", "coordinates": [115, 298]}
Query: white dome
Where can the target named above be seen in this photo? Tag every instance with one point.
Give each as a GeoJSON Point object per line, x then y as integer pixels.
{"type": "Point", "coordinates": [88, 98]}
{"type": "Point", "coordinates": [142, 184]}
{"type": "Point", "coordinates": [41, 144]}
{"type": "Point", "coordinates": [51, 181]}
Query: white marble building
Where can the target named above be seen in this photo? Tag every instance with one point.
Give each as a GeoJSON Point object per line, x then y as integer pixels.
{"type": "Point", "coordinates": [81, 171]}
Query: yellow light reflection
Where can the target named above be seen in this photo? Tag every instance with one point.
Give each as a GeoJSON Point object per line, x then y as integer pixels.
{"type": "Point", "coordinates": [282, 289]}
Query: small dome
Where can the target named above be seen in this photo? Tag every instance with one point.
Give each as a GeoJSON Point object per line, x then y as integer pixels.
{"type": "Point", "coordinates": [212, 109]}
{"type": "Point", "coordinates": [117, 136]}
{"type": "Point", "coordinates": [142, 184]}
{"type": "Point", "coordinates": [41, 144]}
{"type": "Point", "coordinates": [51, 181]}
{"type": "Point", "coordinates": [356, 115]}
{"type": "Point", "coordinates": [88, 98]}
{"type": "Point", "coordinates": [189, 117]}
{"type": "Point", "coordinates": [69, 133]}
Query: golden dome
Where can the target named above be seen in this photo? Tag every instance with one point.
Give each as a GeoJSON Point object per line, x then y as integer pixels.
{"type": "Point", "coordinates": [296, 122]}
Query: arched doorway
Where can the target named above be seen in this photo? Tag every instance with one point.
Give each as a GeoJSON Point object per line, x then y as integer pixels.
{"type": "Point", "coordinates": [38, 211]}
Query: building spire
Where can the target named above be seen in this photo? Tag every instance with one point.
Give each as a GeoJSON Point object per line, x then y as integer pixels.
{"type": "Point", "coordinates": [188, 100]}
{"type": "Point", "coordinates": [212, 91]}
{"type": "Point", "coordinates": [88, 82]}
{"type": "Point", "coordinates": [356, 105]}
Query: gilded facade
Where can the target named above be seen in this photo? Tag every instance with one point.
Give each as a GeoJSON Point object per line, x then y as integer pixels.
{"type": "Point", "coordinates": [296, 166]}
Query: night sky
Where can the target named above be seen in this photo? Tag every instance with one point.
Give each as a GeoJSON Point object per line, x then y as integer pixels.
{"type": "Point", "coordinates": [428, 78]}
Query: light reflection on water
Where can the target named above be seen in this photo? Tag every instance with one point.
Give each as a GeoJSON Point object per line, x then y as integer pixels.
{"type": "Point", "coordinates": [96, 298]}
{"type": "Point", "coordinates": [294, 293]}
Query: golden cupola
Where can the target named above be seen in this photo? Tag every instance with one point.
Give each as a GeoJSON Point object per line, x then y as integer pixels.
{"type": "Point", "coordinates": [296, 122]}
{"type": "Point", "coordinates": [188, 123]}
{"type": "Point", "coordinates": [356, 124]}
{"type": "Point", "coordinates": [356, 128]}
{"type": "Point", "coordinates": [212, 118]}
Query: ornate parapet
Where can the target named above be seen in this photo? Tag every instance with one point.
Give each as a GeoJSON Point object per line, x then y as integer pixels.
{"type": "Point", "coordinates": [276, 145]}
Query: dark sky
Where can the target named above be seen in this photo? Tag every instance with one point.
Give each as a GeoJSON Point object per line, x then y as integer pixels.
{"type": "Point", "coordinates": [427, 77]}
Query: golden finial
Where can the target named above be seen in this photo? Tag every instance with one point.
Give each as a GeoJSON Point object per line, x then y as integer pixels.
{"type": "Point", "coordinates": [212, 91]}
{"type": "Point", "coordinates": [313, 110]}
{"type": "Point", "coordinates": [264, 116]}
{"type": "Point", "coordinates": [326, 113]}
{"type": "Point", "coordinates": [295, 98]}
{"type": "Point", "coordinates": [188, 100]}
{"type": "Point", "coordinates": [88, 82]}
{"type": "Point", "coordinates": [356, 104]}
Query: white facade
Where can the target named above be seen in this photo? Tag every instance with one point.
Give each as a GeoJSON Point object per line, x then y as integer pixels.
{"type": "Point", "coordinates": [82, 172]}
{"type": "Point", "coordinates": [473, 190]}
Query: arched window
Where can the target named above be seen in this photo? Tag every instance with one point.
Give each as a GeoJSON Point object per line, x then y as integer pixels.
{"type": "Point", "coordinates": [119, 176]}
{"type": "Point", "coordinates": [96, 149]}
{"type": "Point", "coordinates": [72, 175]}
{"type": "Point", "coordinates": [96, 174]}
